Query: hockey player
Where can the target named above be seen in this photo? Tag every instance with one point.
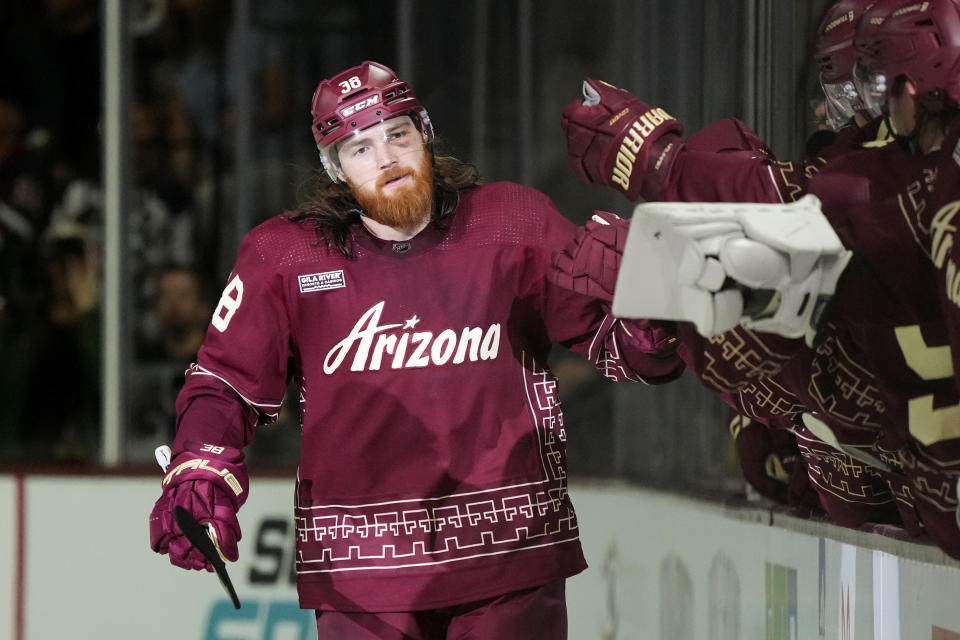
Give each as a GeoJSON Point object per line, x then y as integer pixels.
{"type": "Point", "coordinates": [728, 162]}
{"type": "Point", "coordinates": [856, 182]}
{"type": "Point", "coordinates": [886, 312]}
{"type": "Point", "coordinates": [410, 304]}
{"type": "Point", "coordinates": [868, 385]}
{"type": "Point", "coordinates": [915, 68]}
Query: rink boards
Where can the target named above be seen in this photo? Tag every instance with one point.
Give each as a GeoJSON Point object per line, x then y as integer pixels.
{"type": "Point", "coordinates": [75, 562]}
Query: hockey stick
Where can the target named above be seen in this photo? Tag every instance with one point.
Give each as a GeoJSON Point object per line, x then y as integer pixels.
{"type": "Point", "coordinates": [199, 535]}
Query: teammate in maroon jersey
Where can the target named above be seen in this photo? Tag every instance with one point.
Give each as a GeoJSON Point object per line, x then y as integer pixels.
{"type": "Point", "coordinates": [870, 384]}
{"type": "Point", "coordinates": [728, 162]}
{"type": "Point", "coordinates": [410, 304]}
{"type": "Point", "coordinates": [915, 69]}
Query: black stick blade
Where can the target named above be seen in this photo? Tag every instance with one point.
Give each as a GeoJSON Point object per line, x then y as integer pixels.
{"type": "Point", "coordinates": [197, 534]}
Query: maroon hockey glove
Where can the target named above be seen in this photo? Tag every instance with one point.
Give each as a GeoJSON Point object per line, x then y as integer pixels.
{"type": "Point", "coordinates": [210, 482]}
{"type": "Point", "coordinates": [649, 347]}
{"type": "Point", "coordinates": [766, 456]}
{"type": "Point", "coordinates": [611, 136]}
{"type": "Point", "coordinates": [652, 337]}
{"type": "Point", "coordinates": [590, 261]}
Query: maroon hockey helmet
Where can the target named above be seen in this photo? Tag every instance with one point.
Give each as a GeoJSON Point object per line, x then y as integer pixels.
{"type": "Point", "coordinates": [919, 41]}
{"type": "Point", "coordinates": [834, 54]}
{"type": "Point", "coordinates": [833, 46]}
{"type": "Point", "coordinates": [871, 86]}
{"type": "Point", "coordinates": [356, 99]}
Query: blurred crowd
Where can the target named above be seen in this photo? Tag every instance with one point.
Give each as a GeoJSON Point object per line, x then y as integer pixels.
{"type": "Point", "coordinates": [186, 58]}
{"type": "Point", "coordinates": [51, 210]}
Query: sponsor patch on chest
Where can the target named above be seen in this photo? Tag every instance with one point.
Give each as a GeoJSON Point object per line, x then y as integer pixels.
{"type": "Point", "coordinates": [311, 282]}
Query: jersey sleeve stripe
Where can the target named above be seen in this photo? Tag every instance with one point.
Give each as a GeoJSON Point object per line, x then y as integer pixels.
{"type": "Point", "coordinates": [270, 409]}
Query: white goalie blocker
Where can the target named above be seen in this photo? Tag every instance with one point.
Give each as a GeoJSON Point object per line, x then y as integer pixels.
{"type": "Point", "coordinates": [769, 267]}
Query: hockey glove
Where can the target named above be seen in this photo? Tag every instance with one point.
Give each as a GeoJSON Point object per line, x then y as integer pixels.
{"type": "Point", "coordinates": [771, 268]}
{"type": "Point", "coordinates": [766, 456]}
{"type": "Point", "coordinates": [611, 136]}
{"type": "Point", "coordinates": [210, 482]}
{"type": "Point", "coordinates": [590, 261]}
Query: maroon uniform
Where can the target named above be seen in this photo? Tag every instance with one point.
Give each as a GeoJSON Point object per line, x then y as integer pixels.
{"type": "Point", "coordinates": [868, 379]}
{"type": "Point", "coordinates": [935, 230]}
{"type": "Point", "coordinates": [929, 341]}
{"type": "Point", "coordinates": [944, 243]}
{"type": "Point", "coordinates": [888, 321]}
{"type": "Point", "coordinates": [433, 467]}
{"type": "Point", "coordinates": [727, 162]}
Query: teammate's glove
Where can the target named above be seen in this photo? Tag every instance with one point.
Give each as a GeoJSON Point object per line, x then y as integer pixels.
{"type": "Point", "coordinates": [766, 456]}
{"type": "Point", "coordinates": [589, 263]}
{"type": "Point", "coordinates": [769, 267]}
{"type": "Point", "coordinates": [611, 135]}
{"type": "Point", "coordinates": [210, 482]}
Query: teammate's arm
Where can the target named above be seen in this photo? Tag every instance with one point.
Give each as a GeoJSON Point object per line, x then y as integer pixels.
{"type": "Point", "coordinates": [617, 140]}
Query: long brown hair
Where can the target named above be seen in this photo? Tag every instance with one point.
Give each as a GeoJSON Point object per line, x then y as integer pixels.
{"type": "Point", "coordinates": [334, 210]}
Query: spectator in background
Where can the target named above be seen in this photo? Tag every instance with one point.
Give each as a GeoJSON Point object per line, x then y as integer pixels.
{"type": "Point", "coordinates": [158, 136]}
{"type": "Point", "coordinates": [158, 219]}
{"type": "Point", "coordinates": [161, 228]}
{"type": "Point", "coordinates": [24, 208]}
{"type": "Point", "coordinates": [169, 336]}
{"type": "Point", "coordinates": [53, 367]}
{"type": "Point", "coordinates": [206, 77]}
{"type": "Point", "coordinates": [181, 313]}
{"type": "Point", "coordinates": [50, 52]}
{"type": "Point", "coordinates": [202, 76]}
{"type": "Point", "coordinates": [49, 327]}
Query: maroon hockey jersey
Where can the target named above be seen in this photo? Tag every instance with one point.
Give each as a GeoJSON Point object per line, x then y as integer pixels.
{"type": "Point", "coordinates": [934, 228]}
{"type": "Point", "coordinates": [888, 322]}
{"type": "Point", "coordinates": [775, 380]}
{"type": "Point", "coordinates": [870, 379]}
{"type": "Point", "coordinates": [726, 162]}
{"type": "Point", "coordinates": [433, 464]}
{"type": "Point", "coordinates": [880, 378]}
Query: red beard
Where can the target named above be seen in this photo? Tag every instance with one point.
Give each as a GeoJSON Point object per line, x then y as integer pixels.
{"type": "Point", "coordinates": [406, 207]}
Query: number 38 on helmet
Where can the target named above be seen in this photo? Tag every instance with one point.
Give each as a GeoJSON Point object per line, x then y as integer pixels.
{"type": "Point", "coordinates": [357, 99]}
